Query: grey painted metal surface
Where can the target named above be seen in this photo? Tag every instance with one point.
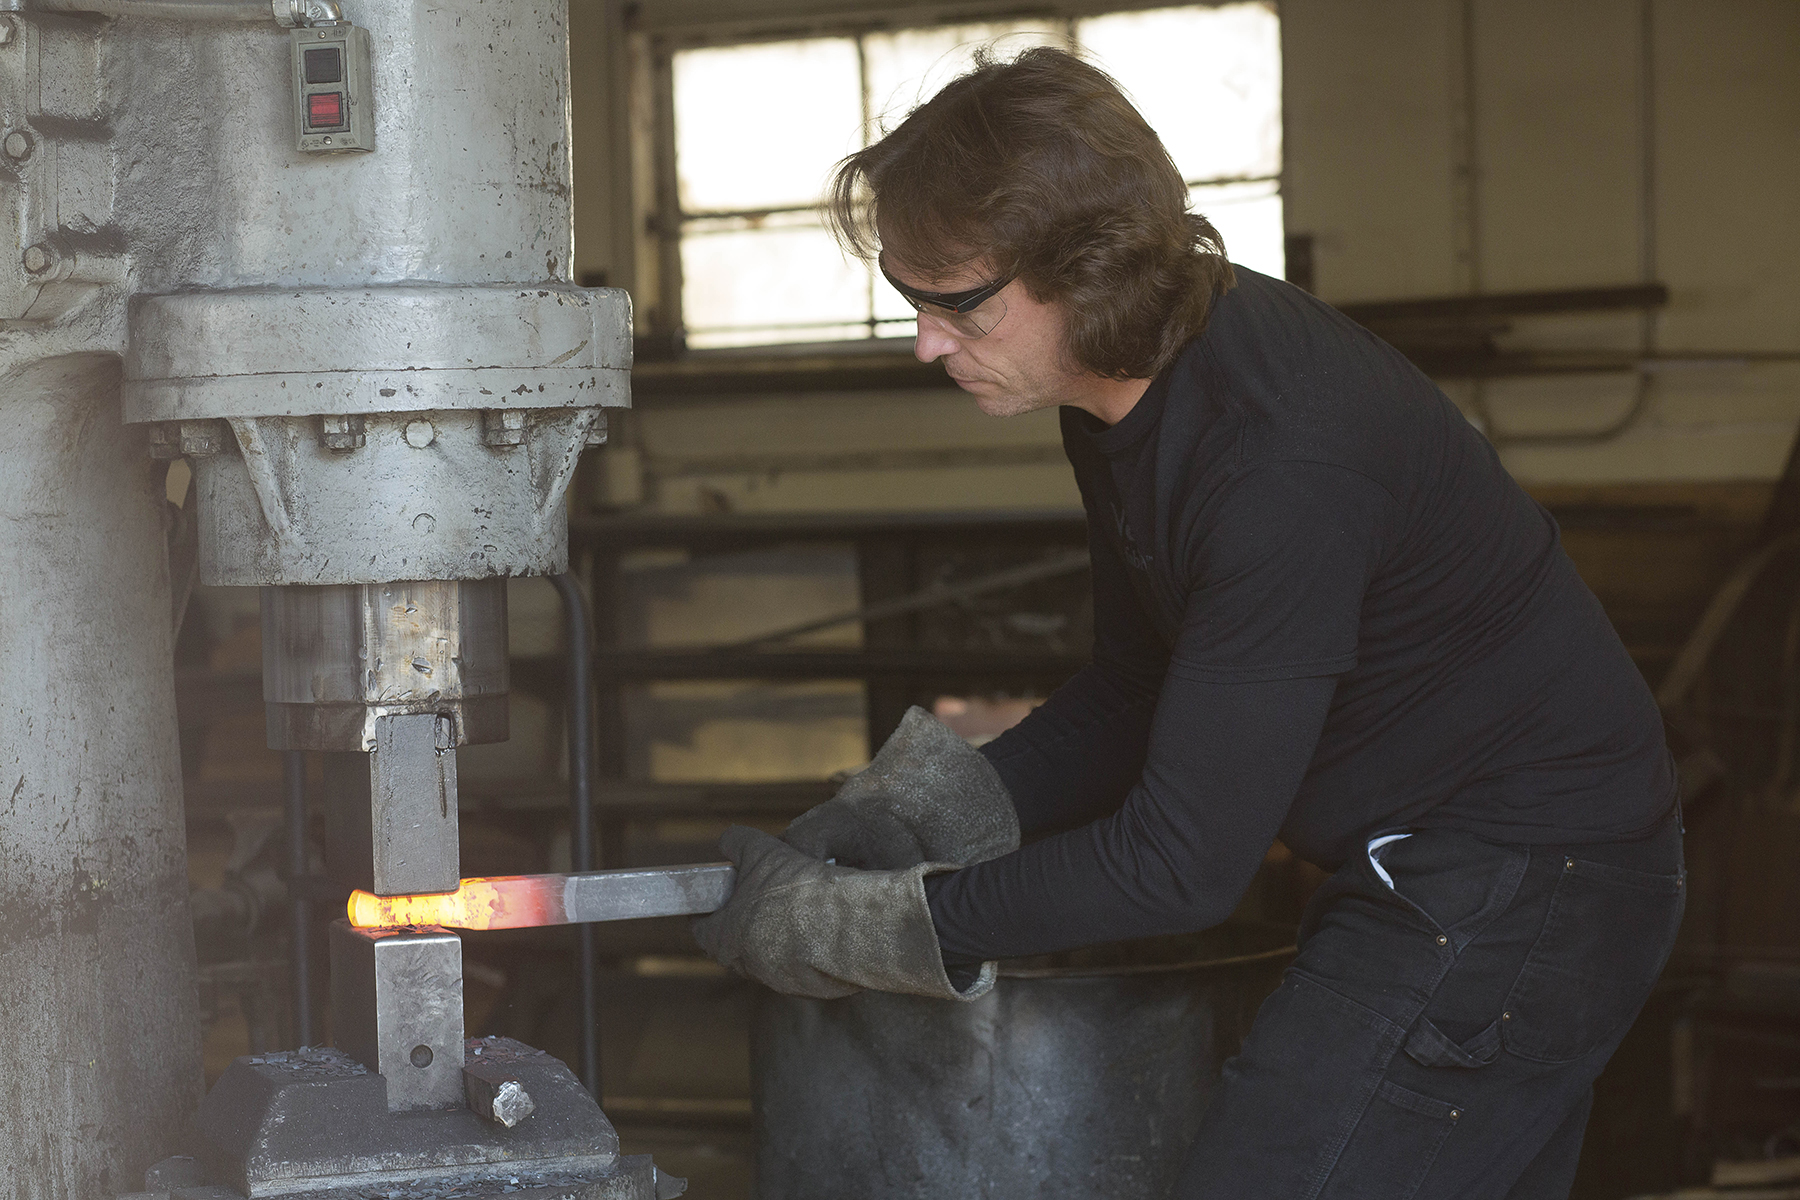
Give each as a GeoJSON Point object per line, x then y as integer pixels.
{"type": "Point", "coordinates": [471, 406]}
{"type": "Point", "coordinates": [425, 497]}
{"type": "Point", "coordinates": [101, 1051]}
{"type": "Point", "coordinates": [156, 158]}
{"type": "Point", "coordinates": [337, 658]}
{"type": "Point", "coordinates": [396, 1008]}
{"type": "Point", "coordinates": [300, 351]}
{"type": "Point", "coordinates": [1060, 1084]}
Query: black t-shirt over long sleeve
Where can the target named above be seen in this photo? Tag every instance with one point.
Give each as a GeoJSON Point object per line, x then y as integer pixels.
{"type": "Point", "coordinates": [1323, 611]}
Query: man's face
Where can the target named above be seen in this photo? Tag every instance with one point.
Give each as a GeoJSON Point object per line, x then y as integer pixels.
{"type": "Point", "coordinates": [1018, 366]}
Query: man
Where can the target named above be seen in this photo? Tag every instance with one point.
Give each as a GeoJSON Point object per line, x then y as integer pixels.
{"type": "Point", "coordinates": [1322, 611]}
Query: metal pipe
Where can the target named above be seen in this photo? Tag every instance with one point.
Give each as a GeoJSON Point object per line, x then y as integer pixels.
{"type": "Point", "coordinates": [165, 10]}
{"type": "Point", "coordinates": [102, 1058]}
{"type": "Point", "coordinates": [581, 803]}
{"type": "Point", "coordinates": [293, 778]}
{"type": "Point", "coordinates": [288, 13]}
{"type": "Point", "coordinates": [935, 596]}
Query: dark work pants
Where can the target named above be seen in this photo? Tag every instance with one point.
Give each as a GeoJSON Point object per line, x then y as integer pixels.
{"type": "Point", "coordinates": [1440, 1038]}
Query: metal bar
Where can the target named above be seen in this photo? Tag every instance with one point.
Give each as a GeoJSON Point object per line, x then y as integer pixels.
{"type": "Point", "coordinates": [836, 664]}
{"type": "Point", "coordinates": [581, 804]}
{"type": "Point", "coordinates": [293, 777]}
{"type": "Point", "coordinates": [626, 895]}
{"type": "Point", "coordinates": [529, 901]}
{"type": "Point", "coordinates": [1509, 304]}
{"type": "Point", "coordinates": [929, 597]}
{"type": "Point", "coordinates": [734, 531]}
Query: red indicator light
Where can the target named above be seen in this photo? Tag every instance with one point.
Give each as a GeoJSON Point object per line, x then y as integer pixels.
{"type": "Point", "coordinates": [325, 110]}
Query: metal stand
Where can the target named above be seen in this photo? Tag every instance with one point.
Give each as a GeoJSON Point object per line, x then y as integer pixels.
{"type": "Point", "coordinates": [317, 1123]}
{"type": "Point", "coordinates": [581, 803]}
{"type": "Point", "coordinates": [293, 772]}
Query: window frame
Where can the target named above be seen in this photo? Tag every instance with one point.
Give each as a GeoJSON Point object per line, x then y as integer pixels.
{"type": "Point", "coordinates": [659, 220]}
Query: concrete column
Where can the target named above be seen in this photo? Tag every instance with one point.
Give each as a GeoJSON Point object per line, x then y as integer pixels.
{"type": "Point", "coordinates": [99, 1037]}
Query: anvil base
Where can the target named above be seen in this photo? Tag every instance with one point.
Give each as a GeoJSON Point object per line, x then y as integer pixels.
{"type": "Point", "coordinates": [314, 1124]}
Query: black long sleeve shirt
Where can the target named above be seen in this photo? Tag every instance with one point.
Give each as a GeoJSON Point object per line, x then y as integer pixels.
{"type": "Point", "coordinates": [1323, 610]}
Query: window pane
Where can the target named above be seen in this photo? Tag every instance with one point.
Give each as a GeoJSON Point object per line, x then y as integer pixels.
{"type": "Point", "coordinates": [759, 126]}
{"type": "Point", "coordinates": [908, 67]}
{"type": "Point", "coordinates": [781, 280]}
{"type": "Point", "coordinates": [1248, 217]}
{"type": "Point", "coordinates": [1207, 79]}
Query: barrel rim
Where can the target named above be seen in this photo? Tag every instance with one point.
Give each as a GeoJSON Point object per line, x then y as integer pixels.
{"type": "Point", "coordinates": [1261, 956]}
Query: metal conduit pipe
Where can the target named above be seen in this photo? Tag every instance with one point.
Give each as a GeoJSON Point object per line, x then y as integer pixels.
{"type": "Point", "coordinates": [293, 764]}
{"type": "Point", "coordinates": [287, 13]}
{"type": "Point", "coordinates": [581, 803]}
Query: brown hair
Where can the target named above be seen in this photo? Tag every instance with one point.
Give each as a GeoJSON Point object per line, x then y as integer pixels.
{"type": "Point", "coordinates": [1041, 169]}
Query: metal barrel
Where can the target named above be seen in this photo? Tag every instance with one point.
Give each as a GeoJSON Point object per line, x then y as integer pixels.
{"type": "Point", "coordinates": [1081, 1076]}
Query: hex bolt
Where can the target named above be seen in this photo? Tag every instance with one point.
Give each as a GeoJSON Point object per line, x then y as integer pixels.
{"type": "Point", "coordinates": [165, 440]}
{"type": "Point", "coordinates": [597, 432]}
{"type": "Point", "coordinates": [341, 432]}
{"type": "Point", "coordinates": [420, 433]}
{"type": "Point", "coordinates": [38, 258]}
{"type": "Point", "coordinates": [8, 30]}
{"type": "Point", "coordinates": [200, 439]}
{"type": "Point", "coordinates": [18, 145]}
{"type": "Point", "coordinates": [503, 427]}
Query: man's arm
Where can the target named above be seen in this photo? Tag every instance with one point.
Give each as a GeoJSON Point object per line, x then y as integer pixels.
{"type": "Point", "coordinates": [1273, 612]}
{"type": "Point", "coordinates": [1166, 861]}
{"type": "Point", "coordinates": [1077, 754]}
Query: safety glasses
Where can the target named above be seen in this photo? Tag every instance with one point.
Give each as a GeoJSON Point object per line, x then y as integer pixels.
{"type": "Point", "coordinates": [969, 314]}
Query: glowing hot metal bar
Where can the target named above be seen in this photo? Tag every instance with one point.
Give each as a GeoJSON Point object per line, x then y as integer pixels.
{"type": "Point", "coordinates": [517, 901]}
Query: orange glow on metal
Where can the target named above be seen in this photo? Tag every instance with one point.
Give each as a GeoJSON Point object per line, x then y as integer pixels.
{"type": "Point", "coordinates": [501, 902]}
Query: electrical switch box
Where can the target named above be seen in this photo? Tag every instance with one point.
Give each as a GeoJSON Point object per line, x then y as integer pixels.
{"type": "Point", "coordinates": [333, 103]}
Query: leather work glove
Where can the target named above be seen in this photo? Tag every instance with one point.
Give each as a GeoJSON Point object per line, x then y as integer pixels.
{"type": "Point", "coordinates": [928, 796]}
{"type": "Point", "coordinates": [808, 928]}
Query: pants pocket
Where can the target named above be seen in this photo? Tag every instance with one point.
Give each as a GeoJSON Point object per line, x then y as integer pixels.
{"type": "Point", "coordinates": [1607, 933]}
{"type": "Point", "coordinates": [1393, 1147]}
{"type": "Point", "coordinates": [1430, 1046]}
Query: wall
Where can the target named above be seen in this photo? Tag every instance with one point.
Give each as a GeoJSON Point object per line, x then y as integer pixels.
{"type": "Point", "coordinates": [1434, 147]}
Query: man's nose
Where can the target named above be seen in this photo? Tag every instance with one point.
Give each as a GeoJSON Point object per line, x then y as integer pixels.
{"type": "Point", "coordinates": [933, 341]}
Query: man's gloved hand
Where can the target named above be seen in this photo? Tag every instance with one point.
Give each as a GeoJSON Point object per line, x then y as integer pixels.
{"type": "Point", "coordinates": [927, 797]}
{"type": "Point", "coordinates": [807, 928]}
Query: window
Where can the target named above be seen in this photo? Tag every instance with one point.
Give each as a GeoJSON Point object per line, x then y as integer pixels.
{"type": "Point", "coordinates": [758, 127]}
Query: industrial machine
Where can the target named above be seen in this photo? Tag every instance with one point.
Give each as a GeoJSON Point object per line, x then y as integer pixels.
{"type": "Point", "coordinates": [322, 253]}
